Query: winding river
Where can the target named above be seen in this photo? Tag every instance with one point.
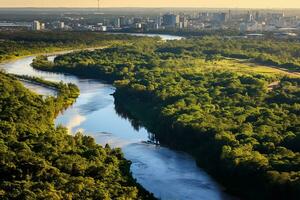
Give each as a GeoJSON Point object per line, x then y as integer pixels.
{"type": "Point", "coordinates": [169, 174]}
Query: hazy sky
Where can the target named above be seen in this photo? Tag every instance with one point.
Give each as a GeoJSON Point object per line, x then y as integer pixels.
{"type": "Point", "coordinates": [154, 3]}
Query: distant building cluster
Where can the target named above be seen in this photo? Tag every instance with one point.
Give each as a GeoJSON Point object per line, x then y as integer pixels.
{"type": "Point", "coordinates": [38, 26]}
{"type": "Point", "coordinates": [244, 21]}
{"type": "Point", "coordinates": [35, 25]}
{"type": "Point", "coordinates": [250, 21]}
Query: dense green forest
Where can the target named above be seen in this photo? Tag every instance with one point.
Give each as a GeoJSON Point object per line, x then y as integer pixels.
{"type": "Point", "coordinates": [22, 43]}
{"type": "Point", "coordinates": [280, 53]}
{"type": "Point", "coordinates": [277, 53]}
{"type": "Point", "coordinates": [243, 126]}
{"type": "Point", "coordinates": [39, 161]}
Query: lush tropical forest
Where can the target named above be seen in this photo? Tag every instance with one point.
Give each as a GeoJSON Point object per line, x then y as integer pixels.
{"type": "Point", "coordinates": [214, 98]}
{"type": "Point", "coordinates": [39, 161]}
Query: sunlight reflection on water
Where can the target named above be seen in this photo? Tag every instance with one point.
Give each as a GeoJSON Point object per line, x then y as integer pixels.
{"type": "Point", "coordinates": [168, 174]}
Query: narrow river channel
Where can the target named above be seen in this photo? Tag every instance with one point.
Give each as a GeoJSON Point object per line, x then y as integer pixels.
{"type": "Point", "coordinates": [169, 174]}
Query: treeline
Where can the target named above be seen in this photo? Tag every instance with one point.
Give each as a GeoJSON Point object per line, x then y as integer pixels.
{"type": "Point", "coordinates": [22, 43]}
{"type": "Point", "coordinates": [242, 131]}
{"type": "Point", "coordinates": [274, 52]}
{"type": "Point", "coordinates": [67, 92]}
{"type": "Point", "coordinates": [277, 53]}
{"type": "Point", "coordinates": [39, 161]}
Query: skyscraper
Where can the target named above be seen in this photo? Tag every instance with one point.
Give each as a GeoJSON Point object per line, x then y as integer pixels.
{"type": "Point", "coordinates": [170, 20]}
{"type": "Point", "coordinates": [36, 25]}
{"type": "Point", "coordinates": [183, 23]}
{"type": "Point", "coordinates": [249, 17]}
{"type": "Point", "coordinates": [61, 25]}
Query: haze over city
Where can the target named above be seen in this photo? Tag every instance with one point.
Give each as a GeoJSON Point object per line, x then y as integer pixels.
{"type": "Point", "coordinates": [155, 3]}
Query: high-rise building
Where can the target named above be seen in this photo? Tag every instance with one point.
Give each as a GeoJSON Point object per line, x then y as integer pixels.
{"type": "Point", "coordinates": [249, 17]}
{"type": "Point", "coordinates": [204, 16]}
{"type": "Point", "coordinates": [257, 16]}
{"type": "Point", "coordinates": [61, 25]}
{"type": "Point", "coordinates": [223, 17]}
{"type": "Point", "coordinates": [220, 17]}
{"type": "Point", "coordinates": [43, 26]}
{"type": "Point", "coordinates": [183, 23]}
{"type": "Point", "coordinates": [58, 25]}
{"type": "Point", "coordinates": [170, 20]}
{"type": "Point", "coordinates": [36, 25]}
{"type": "Point", "coordinates": [122, 21]}
{"type": "Point", "coordinates": [117, 22]}
{"type": "Point", "coordinates": [138, 26]}
{"type": "Point", "coordinates": [229, 15]}
{"type": "Point", "coordinates": [158, 20]}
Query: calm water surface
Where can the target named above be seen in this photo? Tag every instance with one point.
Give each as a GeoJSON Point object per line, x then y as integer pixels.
{"type": "Point", "coordinates": [39, 89]}
{"type": "Point", "coordinates": [169, 174]}
{"type": "Point", "coordinates": [162, 36]}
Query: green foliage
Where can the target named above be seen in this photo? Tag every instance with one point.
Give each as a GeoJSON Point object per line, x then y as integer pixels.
{"type": "Point", "coordinates": [284, 54]}
{"type": "Point", "coordinates": [22, 43]}
{"type": "Point", "coordinates": [230, 121]}
{"type": "Point", "coordinates": [39, 161]}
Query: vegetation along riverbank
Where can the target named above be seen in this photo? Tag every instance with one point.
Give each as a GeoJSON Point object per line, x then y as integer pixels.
{"type": "Point", "coordinates": [41, 161]}
{"type": "Point", "coordinates": [214, 98]}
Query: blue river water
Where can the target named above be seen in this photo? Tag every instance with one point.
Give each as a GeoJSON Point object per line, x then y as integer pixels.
{"type": "Point", "coordinates": [169, 174]}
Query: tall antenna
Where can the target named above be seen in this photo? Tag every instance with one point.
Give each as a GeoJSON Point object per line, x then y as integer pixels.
{"type": "Point", "coordinates": [98, 5]}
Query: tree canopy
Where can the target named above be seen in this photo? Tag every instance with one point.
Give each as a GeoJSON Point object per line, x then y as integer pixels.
{"type": "Point", "coordinates": [40, 161]}
{"type": "Point", "coordinates": [238, 124]}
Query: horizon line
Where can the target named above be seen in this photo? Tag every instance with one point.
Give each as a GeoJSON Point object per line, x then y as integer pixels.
{"type": "Point", "coordinates": [148, 7]}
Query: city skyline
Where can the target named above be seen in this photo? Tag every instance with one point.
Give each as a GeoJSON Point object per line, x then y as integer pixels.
{"type": "Point", "coordinates": [154, 3]}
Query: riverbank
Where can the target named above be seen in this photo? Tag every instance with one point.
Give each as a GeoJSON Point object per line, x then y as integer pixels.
{"type": "Point", "coordinates": [67, 95]}
{"type": "Point", "coordinates": [49, 109]}
{"type": "Point", "coordinates": [23, 43]}
{"type": "Point", "coordinates": [220, 116]}
{"type": "Point", "coordinates": [203, 149]}
{"type": "Point", "coordinates": [53, 52]}
{"type": "Point", "coordinates": [178, 138]}
{"type": "Point", "coordinates": [43, 161]}
{"type": "Point", "coordinates": [164, 131]}
{"type": "Point", "coordinates": [167, 173]}
{"type": "Point", "coordinates": [183, 32]}
{"type": "Point", "coordinates": [171, 186]}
